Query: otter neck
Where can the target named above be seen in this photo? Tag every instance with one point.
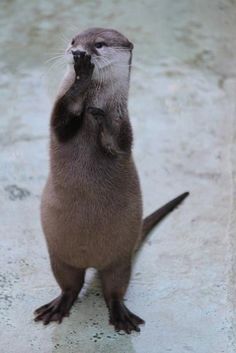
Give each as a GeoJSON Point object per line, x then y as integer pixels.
{"type": "Point", "coordinates": [110, 88]}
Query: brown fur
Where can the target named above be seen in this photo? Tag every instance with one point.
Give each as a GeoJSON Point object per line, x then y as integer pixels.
{"type": "Point", "coordinates": [92, 206]}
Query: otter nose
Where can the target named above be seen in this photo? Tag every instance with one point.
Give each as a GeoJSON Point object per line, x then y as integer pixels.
{"type": "Point", "coordinates": [78, 52]}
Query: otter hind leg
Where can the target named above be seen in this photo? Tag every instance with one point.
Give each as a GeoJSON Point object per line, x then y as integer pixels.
{"type": "Point", "coordinates": [114, 282]}
{"type": "Point", "coordinates": [70, 281]}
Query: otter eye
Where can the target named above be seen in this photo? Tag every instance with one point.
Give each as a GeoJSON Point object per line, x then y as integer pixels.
{"type": "Point", "coordinates": [100, 45]}
{"type": "Point", "coordinates": [72, 42]}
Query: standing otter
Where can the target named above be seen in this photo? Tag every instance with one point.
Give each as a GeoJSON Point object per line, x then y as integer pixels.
{"type": "Point", "coordinates": [91, 206]}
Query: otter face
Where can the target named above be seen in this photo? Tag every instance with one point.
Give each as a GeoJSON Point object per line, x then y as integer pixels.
{"type": "Point", "coordinates": [109, 50]}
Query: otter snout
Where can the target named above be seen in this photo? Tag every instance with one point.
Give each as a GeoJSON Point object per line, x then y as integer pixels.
{"type": "Point", "coordinates": [78, 52]}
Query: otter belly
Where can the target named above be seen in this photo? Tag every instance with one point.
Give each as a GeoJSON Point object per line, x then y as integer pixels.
{"type": "Point", "coordinates": [86, 232]}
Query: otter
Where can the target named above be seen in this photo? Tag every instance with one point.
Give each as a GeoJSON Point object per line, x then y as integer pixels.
{"type": "Point", "coordinates": [91, 207]}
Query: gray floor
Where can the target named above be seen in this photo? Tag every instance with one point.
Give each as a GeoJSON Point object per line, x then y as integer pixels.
{"type": "Point", "coordinates": [182, 104]}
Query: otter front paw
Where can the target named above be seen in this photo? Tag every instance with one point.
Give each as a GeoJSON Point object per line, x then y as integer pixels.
{"type": "Point", "coordinates": [97, 113]}
{"type": "Point", "coordinates": [83, 66]}
{"type": "Point", "coordinates": [106, 135]}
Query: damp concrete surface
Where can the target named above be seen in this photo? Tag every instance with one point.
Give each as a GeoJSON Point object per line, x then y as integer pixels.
{"type": "Point", "coordinates": [182, 108]}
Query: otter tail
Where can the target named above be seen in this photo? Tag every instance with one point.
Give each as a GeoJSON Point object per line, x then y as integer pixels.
{"type": "Point", "coordinates": [150, 221]}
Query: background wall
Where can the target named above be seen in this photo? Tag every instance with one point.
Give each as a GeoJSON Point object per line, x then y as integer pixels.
{"type": "Point", "coordinates": [182, 106]}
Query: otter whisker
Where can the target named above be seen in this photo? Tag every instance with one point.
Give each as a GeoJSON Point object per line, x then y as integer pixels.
{"type": "Point", "coordinates": [56, 57]}
{"type": "Point", "coordinates": [56, 52]}
{"type": "Point", "coordinates": [72, 28]}
{"type": "Point", "coordinates": [105, 60]}
{"type": "Point", "coordinates": [98, 72]}
{"type": "Point", "coordinates": [116, 62]}
{"type": "Point", "coordinates": [55, 61]}
{"type": "Point", "coordinates": [63, 38]}
{"type": "Point", "coordinates": [56, 64]}
{"type": "Point", "coordinates": [102, 79]}
{"type": "Point", "coordinates": [109, 67]}
{"type": "Point", "coordinates": [122, 65]}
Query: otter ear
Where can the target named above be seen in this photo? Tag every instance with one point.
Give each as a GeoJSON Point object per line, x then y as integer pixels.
{"type": "Point", "coordinates": [131, 46]}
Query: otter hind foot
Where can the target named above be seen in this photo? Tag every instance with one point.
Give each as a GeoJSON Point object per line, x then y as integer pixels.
{"type": "Point", "coordinates": [123, 319]}
{"type": "Point", "coordinates": [57, 309]}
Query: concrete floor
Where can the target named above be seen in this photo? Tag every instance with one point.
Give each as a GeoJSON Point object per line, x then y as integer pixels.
{"type": "Point", "coordinates": [182, 104]}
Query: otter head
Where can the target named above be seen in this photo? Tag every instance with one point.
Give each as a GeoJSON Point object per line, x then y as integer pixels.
{"type": "Point", "coordinates": [110, 51]}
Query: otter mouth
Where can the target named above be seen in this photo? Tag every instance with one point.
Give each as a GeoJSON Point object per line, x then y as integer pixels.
{"type": "Point", "coordinates": [99, 62]}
